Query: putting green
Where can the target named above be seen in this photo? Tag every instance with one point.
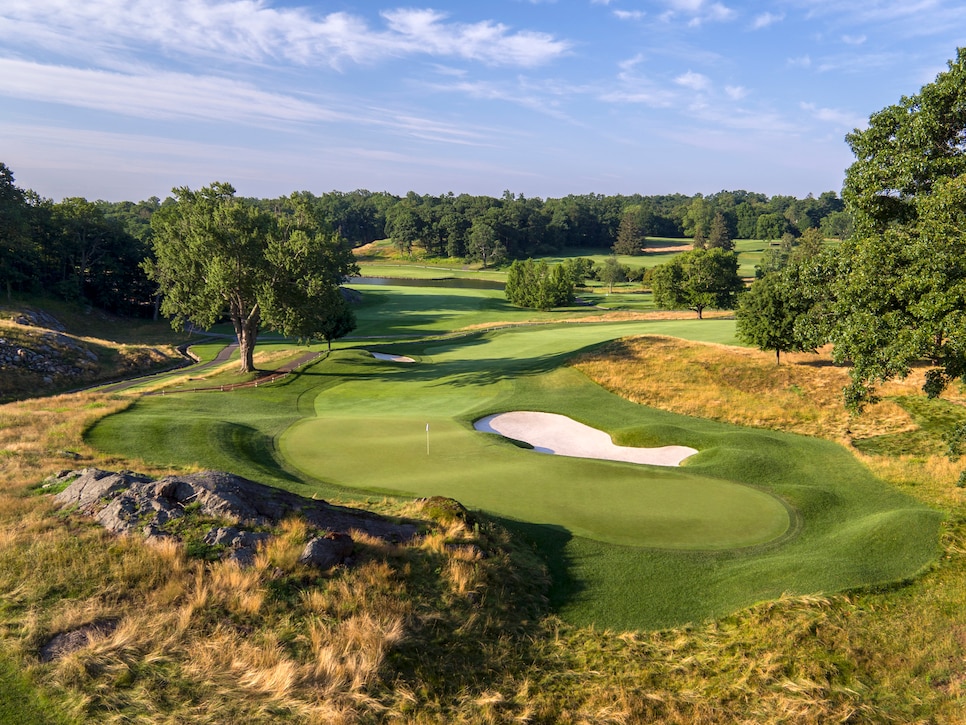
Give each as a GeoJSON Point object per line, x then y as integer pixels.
{"type": "Point", "coordinates": [662, 508]}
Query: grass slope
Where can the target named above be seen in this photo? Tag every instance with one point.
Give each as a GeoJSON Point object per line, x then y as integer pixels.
{"type": "Point", "coordinates": [623, 557]}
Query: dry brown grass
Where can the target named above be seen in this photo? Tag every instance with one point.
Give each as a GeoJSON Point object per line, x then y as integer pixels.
{"type": "Point", "coordinates": [743, 386]}
{"type": "Point", "coordinates": [195, 641]}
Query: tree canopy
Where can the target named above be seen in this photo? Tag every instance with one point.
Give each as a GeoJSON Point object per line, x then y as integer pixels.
{"type": "Point", "coordinates": [540, 286]}
{"type": "Point", "coordinates": [900, 291]}
{"type": "Point", "coordinates": [697, 280]}
{"type": "Point", "coordinates": [784, 308]}
{"type": "Point", "coordinates": [217, 255]}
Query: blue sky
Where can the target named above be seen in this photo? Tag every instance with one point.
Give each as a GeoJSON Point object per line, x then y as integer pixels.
{"type": "Point", "coordinates": [124, 99]}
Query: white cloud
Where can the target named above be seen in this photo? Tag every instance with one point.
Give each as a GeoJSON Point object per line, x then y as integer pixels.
{"type": "Point", "coordinates": [736, 93]}
{"type": "Point", "coordinates": [688, 6]}
{"type": "Point", "coordinates": [905, 19]}
{"type": "Point", "coordinates": [166, 95]}
{"type": "Point", "coordinates": [177, 96]}
{"type": "Point", "coordinates": [697, 12]}
{"type": "Point", "coordinates": [630, 14]}
{"type": "Point", "coordinates": [636, 88]}
{"type": "Point", "coordinates": [255, 32]}
{"type": "Point", "coordinates": [416, 31]}
{"type": "Point", "coordinates": [766, 19]}
{"type": "Point", "coordinates": [694, 81]}
{"type": "Point", "coordinates": [844, 119]}
{"type": "Point", "coordinates": [719, 13]}
{"type": "Point", "coordinates": [803, 61]}
{"type": "Point", "coordinates": [854, 39]}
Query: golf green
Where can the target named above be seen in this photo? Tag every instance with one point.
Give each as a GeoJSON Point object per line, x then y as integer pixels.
{"type": "Point", "coordinates": [617, 503]}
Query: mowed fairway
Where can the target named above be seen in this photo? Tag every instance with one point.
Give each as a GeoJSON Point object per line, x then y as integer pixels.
{"type": "Point", "coordinates": [754, 515]}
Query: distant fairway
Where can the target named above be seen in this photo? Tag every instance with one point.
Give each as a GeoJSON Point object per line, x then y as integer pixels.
{"type": "Point", "coordinates": [754, 515]}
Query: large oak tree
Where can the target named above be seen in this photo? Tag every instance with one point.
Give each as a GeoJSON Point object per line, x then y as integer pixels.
{"type": "Point", "coordinates": [900, 291]}
{"type": "Point", "coordinates": [218, 256]}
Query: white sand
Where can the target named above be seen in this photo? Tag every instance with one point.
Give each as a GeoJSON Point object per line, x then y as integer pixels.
{"type": "Point", "coordinates": [392, 358]}
{"type": "Point", "coordinates": [563, 436]}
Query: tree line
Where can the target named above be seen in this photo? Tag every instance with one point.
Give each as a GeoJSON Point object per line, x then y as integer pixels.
{"type": "Point", "coordinates": [93, 250]}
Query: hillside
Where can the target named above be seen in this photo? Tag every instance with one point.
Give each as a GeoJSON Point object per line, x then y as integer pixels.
{"type": "Point", "coordinates": [57, 347]}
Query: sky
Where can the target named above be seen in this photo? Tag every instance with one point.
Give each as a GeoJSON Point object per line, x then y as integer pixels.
{"type": "Point", "coordinates": [126, 99]}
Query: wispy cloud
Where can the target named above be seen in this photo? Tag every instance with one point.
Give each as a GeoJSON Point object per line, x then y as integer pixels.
{"type": "Point", "coordinates": [836, 117]}
{"type": "Point", "coordinates": [630, 14]}
{"type": "Point", "coordinates": [694, 81]}
{"type": "Point", "coordinates": [697, 12]}
{"type": "Point", "coordinates": [250, 31]}
{"type": "Point", "coordinates": [906, 19]}
{"type": "Point", "coordinates": [766, 19]}
{"type": "Point", "coordinates": [736, 93]}
{"type": "Point", "coordinates": [166, 95]}
{"type": "Point", "coordinates": [178, 96]}
{"type": "Point", "coordinates": [633, 87]}
{"type": "Point", "coordinates": [854, 39]}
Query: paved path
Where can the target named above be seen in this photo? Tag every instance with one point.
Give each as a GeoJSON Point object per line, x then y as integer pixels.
{"type": "Point", "coordinates": [221, 357]}
{"type": "Point", "coordinates": [268, 376]}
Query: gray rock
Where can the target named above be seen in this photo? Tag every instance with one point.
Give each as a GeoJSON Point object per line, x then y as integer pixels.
{"type": "Point", "coordinates": [64, 643]}
{"type": "Point", "coordinates": [127, 502]}
{"type": "Point", "coordinates": [325, 552]}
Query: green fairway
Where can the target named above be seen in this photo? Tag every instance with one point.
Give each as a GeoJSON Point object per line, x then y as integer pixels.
{"type": "Point", "coordinates": [755, 514]}
{"type": "Point", "coordinates": [397, 311]}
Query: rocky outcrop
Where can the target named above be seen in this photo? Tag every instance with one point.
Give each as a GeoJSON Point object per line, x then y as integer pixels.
{"type": "Point", "coordinates": [239, 514]}
{"type": "Point", "coordinates": [38, 318]}
{"type": "Point", "coordinates": [48, 353]}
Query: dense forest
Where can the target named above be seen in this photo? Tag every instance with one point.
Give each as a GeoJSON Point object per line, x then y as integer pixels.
{"type": "Point", "coordinates": [92, 250]}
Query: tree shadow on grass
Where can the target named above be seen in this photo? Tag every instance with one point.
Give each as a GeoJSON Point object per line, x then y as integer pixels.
{"type": "Point", "coordinates": [550, 542]}
{"type": "Point", "coordinates": [252, 451]}
{"type": "Point", "coordinates": [459, 373]}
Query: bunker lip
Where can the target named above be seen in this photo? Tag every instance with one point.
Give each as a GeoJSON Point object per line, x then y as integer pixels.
{"type": "Point", "coordinates": [559, 435]}
{"type": "Point", "coordinates": [392, 358]}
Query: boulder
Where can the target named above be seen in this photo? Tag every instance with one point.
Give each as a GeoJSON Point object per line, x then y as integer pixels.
{"type": "Point", "coordinates": [125, 502]}
{"type": "Point", "coordinates": [325, 552]}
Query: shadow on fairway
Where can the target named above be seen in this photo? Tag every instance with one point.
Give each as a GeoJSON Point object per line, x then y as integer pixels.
{"type": "Point", "coordinates": [479, 372]}
{"type": "Point", "coordinates": [550, 542]}
{"type": "Point", "coordinates": [250, 446]}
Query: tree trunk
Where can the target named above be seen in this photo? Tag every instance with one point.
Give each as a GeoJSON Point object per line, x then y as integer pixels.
{"type": "Point", "coordinates": [247, 332]}
{"type": "Point", "coordinates": [700, 311]}
{"type": "Point", "coordinates": [778, 356]}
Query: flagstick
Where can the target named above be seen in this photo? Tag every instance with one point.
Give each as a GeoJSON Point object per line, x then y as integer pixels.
{"type": "Point", "coordinates": [427, 439]}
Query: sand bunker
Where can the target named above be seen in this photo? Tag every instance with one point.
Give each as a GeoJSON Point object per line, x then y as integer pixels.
{"type": "Point", "coordinates": [392, 358]}
{"type": "Point", "coordinates": [563, 436]}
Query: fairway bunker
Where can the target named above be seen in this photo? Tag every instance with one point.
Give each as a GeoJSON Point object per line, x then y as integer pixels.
{"type": "Point", "coordinates": [563, 436]}
{"type": "Point", "coordinates": [392, 358]}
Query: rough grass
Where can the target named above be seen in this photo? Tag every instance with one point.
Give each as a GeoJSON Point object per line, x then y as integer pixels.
{"type": "Point", "coordinates": [743, 386]}
{"type": "Point", "coordinates": [208, 642]}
